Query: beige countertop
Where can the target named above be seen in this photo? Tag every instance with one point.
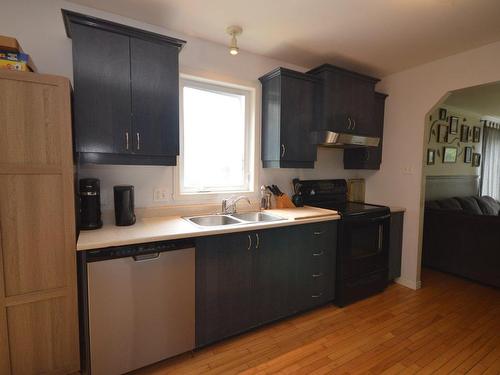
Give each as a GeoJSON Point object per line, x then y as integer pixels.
{"type": "Point", "coordinates": [151, 229]}
{"type": "Point", "coordinates": [397, 209]}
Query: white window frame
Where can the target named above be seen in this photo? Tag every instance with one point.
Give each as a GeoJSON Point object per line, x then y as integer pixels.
{"type": "Point", "coordinates": [250, 169]}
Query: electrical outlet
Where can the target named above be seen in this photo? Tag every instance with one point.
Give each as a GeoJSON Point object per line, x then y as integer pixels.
{"type": "Point", "coordinates": [160, 195]}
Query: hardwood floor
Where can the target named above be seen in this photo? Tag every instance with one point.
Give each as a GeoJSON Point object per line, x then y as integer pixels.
{"type": "Point", "coordinates": [449, 326]}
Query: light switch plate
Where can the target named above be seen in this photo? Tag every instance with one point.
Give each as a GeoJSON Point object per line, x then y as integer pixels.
{"type": "Point", "coordinates": [408, 169]}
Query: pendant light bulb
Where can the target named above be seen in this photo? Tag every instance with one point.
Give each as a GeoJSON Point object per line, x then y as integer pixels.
{"type": "Point", "coordinates": [234, 31]}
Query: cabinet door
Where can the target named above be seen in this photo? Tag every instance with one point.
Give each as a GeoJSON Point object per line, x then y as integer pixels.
{"type": "Point", "coordinates": [396, 245]}
{"type": "Point", "coordinates": [102, 90]}
{"type": "Point", "coordinates": [274, 274]}
{"type": "Point", "coordinates": [43, 336]}
{"type": "Point", "coordinates": [155, 98]}
{"type": "Point", "coordinates": [38, 307]}
{"type": "Point", "coordinates": [363, 158]}
{"type": "Point", "coordinates": [336, 102]}
{"type": "Point", "coordinates": [297, 117]}
{"type": "Point", "coordinates": [223, 286]}
{"type": "Point", "coordinates": [369, 157]}
{"type": "Point", "coordinates": [317, 244]}
{"type": "Point", "coordinates": [361, 108]}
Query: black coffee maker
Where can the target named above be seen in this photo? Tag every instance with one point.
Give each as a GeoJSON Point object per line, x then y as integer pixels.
{"type": "Point", "coordinates": [90, 204]}
{"type": "Point", "coordinates": [124, 205]}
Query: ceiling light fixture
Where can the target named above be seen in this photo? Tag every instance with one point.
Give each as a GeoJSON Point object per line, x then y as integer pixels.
{"type": "Point", "coordinates": [234, 31]}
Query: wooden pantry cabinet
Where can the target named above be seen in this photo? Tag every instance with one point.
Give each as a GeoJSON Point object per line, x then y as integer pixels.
{"type": "Point", "coordinates": [38, 293]}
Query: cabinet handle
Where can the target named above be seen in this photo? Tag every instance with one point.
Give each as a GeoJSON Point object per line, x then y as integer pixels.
{"type": "Point", "coordinates": [349, 123]}
{"type": "Point", "coordinates": [367, 157]}
{"type": "Point", "coordinates": [319, 233]}
{"type": "Point", "coordinates": [257, 240]}
{"type": "Point", "coordinates": [138, 141]}
{"type": "Point", "coordinates": [146, 257]}
{"type": "Point", "coordinates": [354, 124]}
{"type": "Point", "coordinates": [318, 254]}
{"type": "Point", "coordinates": [283, 150]}
{"type": "Point", "coordinates": [249, 242]}
{"type": "Point", "coordinates": [317, 295]}
{"type": "Point", "coordinates": [315, 275]}
{"type": "Point", "coordinates": [126, 140]}
{"type": "Point", "coordinates": [380, 236]}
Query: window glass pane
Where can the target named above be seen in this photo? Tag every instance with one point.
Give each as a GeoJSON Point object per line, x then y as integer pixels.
{"type": "Point", "coordinates": [214, 140]}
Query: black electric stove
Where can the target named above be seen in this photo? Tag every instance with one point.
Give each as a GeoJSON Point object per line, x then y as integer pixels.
{"type": "Point", "coordinates": [332, 194]}
{"type": "Point", "coordinates": [362, 243]}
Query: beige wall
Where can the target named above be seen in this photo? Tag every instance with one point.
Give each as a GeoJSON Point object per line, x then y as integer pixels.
{"type": "Point", "coordinates": [460, 168]}
{"type": "Point", "coordinates": [412, 95]}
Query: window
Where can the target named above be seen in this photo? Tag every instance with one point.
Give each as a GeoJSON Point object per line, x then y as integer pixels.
{"type": "Point", "coordinates": [216, 147]}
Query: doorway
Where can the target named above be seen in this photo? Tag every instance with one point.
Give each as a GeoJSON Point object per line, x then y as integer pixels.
{"type": "Point", "coordinates": [461, 185]}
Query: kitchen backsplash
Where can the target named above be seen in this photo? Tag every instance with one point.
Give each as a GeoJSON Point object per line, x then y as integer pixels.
{"type": "Point", "coordinates": [148, 178]}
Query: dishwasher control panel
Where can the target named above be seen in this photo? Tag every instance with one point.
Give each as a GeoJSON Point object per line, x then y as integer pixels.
{"type": "Point", "coordinates": [137, 249]}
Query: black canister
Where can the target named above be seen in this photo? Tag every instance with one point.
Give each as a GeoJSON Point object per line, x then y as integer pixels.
{"type": "Point", "coordinates": [124, 205]}
{"type": "Point", "coordinates": [90, 204]}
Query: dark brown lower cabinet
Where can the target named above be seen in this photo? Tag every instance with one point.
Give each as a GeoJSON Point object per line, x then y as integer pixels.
{"type": "Point", "coordinates": [396, 244]}
{"type": "Point", "coordinates": [223, 287]}
{"type": "Point", "coordinates": [247, 279]}
{"type": "Point", "coordinates": [273, 274]}
{"type": "Point", "coordinates": [315, 264]}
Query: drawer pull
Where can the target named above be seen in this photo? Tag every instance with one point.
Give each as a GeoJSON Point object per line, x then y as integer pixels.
{"type": "Point", "coordinates": [317, 295]}
{"type": "Point", "coordinates": [319, 233]}
{"type": "Point", "coordinates": [315, 275]}
{"type": "Point", "coordinates": [318, 254]}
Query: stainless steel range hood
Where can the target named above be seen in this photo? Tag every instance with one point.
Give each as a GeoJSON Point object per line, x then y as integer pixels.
{"type": "Point", "coordinates": [327, 138]}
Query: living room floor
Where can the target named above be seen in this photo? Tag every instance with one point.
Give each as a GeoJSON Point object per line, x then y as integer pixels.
{"type": "Point", "coordinates": [449, 326]}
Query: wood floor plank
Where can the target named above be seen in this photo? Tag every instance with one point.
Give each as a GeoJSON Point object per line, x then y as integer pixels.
{"type": "Point", "coordinates": [449, 326]}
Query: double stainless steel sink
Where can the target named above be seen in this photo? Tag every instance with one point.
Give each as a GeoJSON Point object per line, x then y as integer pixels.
{"type": "Point", "coordinates": [232, 219]}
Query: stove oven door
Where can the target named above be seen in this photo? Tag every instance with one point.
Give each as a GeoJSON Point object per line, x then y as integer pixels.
{"type": "Point", "coordinates": [363, 244]}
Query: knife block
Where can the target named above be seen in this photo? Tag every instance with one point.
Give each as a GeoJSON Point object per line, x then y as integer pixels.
{"type": "Point", "coordinates": [284, 201]}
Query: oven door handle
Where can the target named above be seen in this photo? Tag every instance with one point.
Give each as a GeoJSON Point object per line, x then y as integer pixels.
{"type": "Point", "coordinates": [360, 220]}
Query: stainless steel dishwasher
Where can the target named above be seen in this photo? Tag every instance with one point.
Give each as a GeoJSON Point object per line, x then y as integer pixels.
{"type": "Point", "coordinates": [140, 305]}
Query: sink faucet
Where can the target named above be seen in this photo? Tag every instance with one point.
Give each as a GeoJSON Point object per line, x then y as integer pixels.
{"type": "Point", "coordinates": [229, 204]}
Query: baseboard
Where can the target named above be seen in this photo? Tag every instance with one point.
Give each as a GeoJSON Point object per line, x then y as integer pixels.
{"type": "Point", "coordinates": [409, 283]}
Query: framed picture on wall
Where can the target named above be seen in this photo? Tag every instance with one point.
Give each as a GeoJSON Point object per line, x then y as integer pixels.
{"type": "Point", "coordinates": [476, 160]}
{"type": "Point", "coordinates": [476, 137]}
{"type": "Point", "coordinates": [450, 155]}
{"type": "Point", "coordinates": [442, 114]}
{"type": "Point", "coordinates": [431, 156]}
{"type": "Point", "coordinates": [442, 134]}
{"type": "Point", "coordinates": [464, 133]}
{"type": "Point", "coordinates": [468, 155]}
{"type": "Point", "coordinates": [454, 125]}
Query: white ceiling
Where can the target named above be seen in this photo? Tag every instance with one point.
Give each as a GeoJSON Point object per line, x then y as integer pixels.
{"type": "Point", "coordinates": [372, 36]}
{"type": "Point", "coordinates": [483, 100]}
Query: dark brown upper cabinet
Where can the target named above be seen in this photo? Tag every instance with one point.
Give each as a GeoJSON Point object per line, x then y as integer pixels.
{"type": "Point", "coordinates": [369, 157]}
{"type": "Point", "coordinates": [126, 93]}
{"type": "Point", "coordinates": [289, 110]}
{"type": "Point", "coordinates": [346, 103]}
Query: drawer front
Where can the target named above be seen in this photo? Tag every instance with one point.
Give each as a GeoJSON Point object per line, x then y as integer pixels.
{"type": "Point", "coordinates": [316, 271]}
{"type": "Point", "coordinates": [323, 233]}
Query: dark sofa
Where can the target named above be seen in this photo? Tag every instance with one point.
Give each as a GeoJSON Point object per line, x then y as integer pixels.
{"type": "Point", "coordinates": [462, 236]}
